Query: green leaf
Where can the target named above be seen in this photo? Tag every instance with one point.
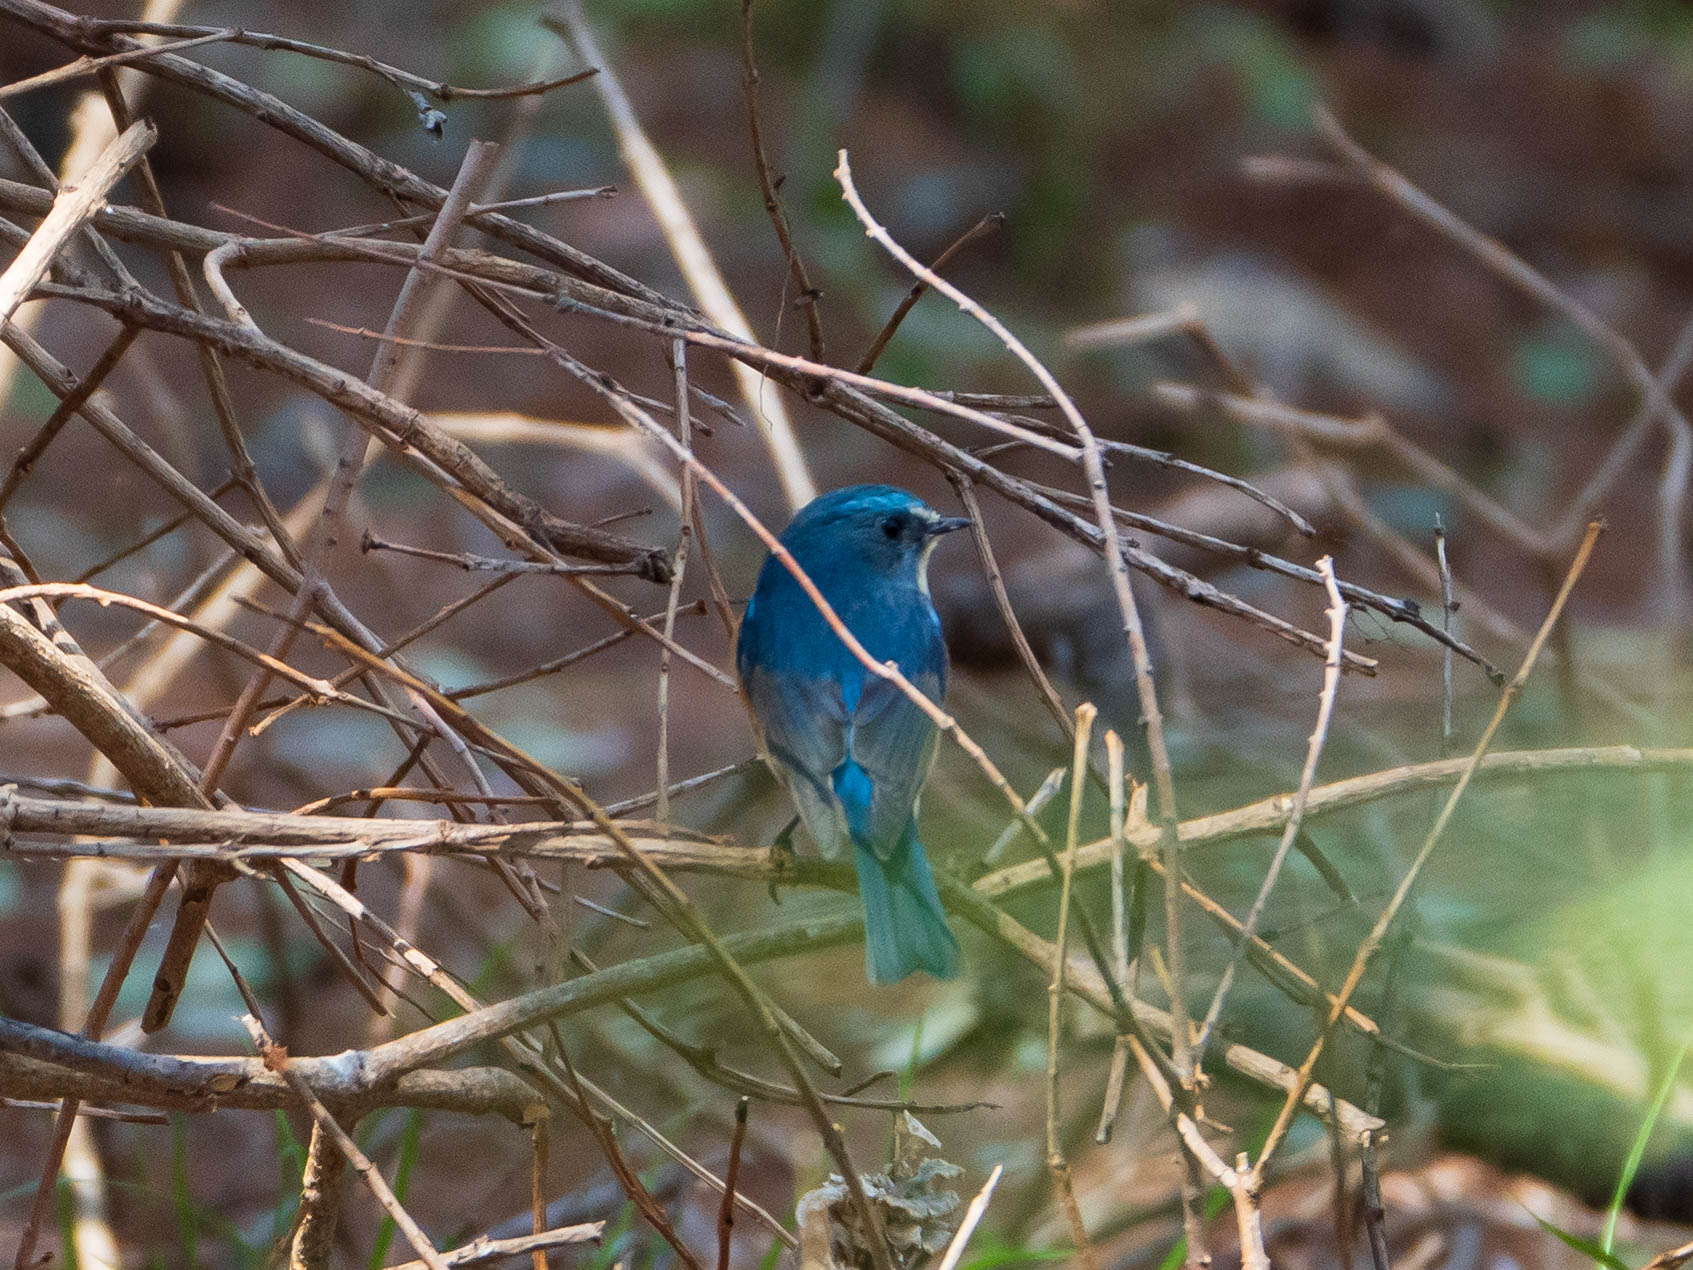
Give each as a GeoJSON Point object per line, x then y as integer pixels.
{"type": "Point", "coordinates": [1584, 1246]}
{"type": "Point", "coordinates": [1631, 1166]}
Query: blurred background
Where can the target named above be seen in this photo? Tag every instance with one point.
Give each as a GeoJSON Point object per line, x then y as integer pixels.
{"type": "Point", "coordinates": [1549, 974]}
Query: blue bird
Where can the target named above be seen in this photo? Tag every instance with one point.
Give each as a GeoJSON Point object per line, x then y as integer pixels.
{"type": "Point", "coordinates": [849, 746]}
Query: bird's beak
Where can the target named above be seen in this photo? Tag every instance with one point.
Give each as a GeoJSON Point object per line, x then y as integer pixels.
{"type": "Point", "coordinates": [947, 524]}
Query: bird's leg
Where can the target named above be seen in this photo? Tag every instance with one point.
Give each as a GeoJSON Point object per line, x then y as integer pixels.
{"type": "Point", "coordinates": [782, 856]}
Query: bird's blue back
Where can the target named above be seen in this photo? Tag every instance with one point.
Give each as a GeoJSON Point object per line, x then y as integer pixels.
{"type": "Point", "coordinates": [850, 747]}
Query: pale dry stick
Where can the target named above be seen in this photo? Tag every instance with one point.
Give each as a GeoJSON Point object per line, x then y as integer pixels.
{"type": "Point", "coordinates": [74, 206]}
{"type": "Point", "coordinates": [476, 210]}
{"type": "Point", "coordinates": [483, 1249]}
{"type": "Point", "coordinates": [1143, 328]}
{"type": "Point", "coordinates": [1673, 1259]}
{"type": "Point", "coordinates": [692, 255]}
{"type": "Point", "coordinates": [1360, 963]}
{"type": "Point", "coordinates": [1242, 1184]}
{"type": "Point", "coordinates": [1116, 777]}
{"type": "Point", "coordinates": [1037, 801]}
{"type": "Point", "coordinates": [679, 565]}
{"type": "Point", "coordinates": [472, 563]}
{"type": "Point", "coordinates": [1336, 613]}
{"type": "Point", "coordinates": [1117, 565]}
{"type": "Point", "coordinates": [1062, 1181]}
{"type": "Point", "coordinates": [972, 1219]}
{"type": "Point", "coordinates": [1116, 781]}
{"type": "Point", "coordinates": [212, 266]}
{"type": "Point", "coordinates": [82, 150]}
{"type": "Point", "coordinates": [276, 1058]}
{"type": "Point", "coordinates": [1448, 606]}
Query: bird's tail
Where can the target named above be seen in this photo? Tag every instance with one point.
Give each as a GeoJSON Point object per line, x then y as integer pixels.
{"type": "Point", "coordinates": [905, 927]}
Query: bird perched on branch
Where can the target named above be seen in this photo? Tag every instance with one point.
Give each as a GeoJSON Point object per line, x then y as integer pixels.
{"type": "Point", "coordinates": [851, 748]}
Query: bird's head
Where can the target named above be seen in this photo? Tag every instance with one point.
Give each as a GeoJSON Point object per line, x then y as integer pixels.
{"type": "Point", "coordinates": [877, 526]}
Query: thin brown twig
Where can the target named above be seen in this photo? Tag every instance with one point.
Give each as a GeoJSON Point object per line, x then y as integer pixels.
{"type": "Point", "coordinates": [472, 563]}
{"type": "Point", "coordinates": [627, 1178]}
{"type": "Point", "coordinates": [93, 65]}
{"type": "Point", "coordinates": [32, 450]}
{"type": "Point", "coordinates": [981, 229]}
{"type": "Point", "coordinates": [769, 186]}
{"type": "Point", "coordinates": [996, 585]}
{"type": "Point", "coordinates": [279, 43]}
{"type": "Point", "coordinates": [731, 1177]}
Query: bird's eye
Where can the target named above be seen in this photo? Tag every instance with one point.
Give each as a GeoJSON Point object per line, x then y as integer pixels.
{"type": "Point", "coordinates": [892, 525]}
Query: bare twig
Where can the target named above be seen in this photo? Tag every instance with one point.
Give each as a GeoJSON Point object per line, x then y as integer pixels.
{"type": "Point", "coordinates": [1062, 1181]}
{"type": "Point", "coordinates": [972, 1218]}
{"type": "Point", "coordinates": [981, 229]}
{"type": "Point", "coordinates": [731, 1176]}
{"type": "Point", "coordinates": [483, 1249]}
{"type": "Point", "coordinates": [769, 186]}
{"type": "Point", "coordinates": [74, 207]}
{"type": "Point", "coordinates": [1296, 812]}
{"type": "Point", "coordinates": [691, 253]}
{"type": "Point", "coordinates": [276, 1058]}
{"type": "Point", "coordinates": [1378, 932]}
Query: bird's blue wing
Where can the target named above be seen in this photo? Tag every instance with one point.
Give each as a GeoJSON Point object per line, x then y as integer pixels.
{"type": "Point", "coordinates": [802, 721]}
{"type": "Point", "coordinates": [891, 743]}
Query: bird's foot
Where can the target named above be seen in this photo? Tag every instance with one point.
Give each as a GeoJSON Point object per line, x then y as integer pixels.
{"type": "Point", "coordinates": [782, 857]}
